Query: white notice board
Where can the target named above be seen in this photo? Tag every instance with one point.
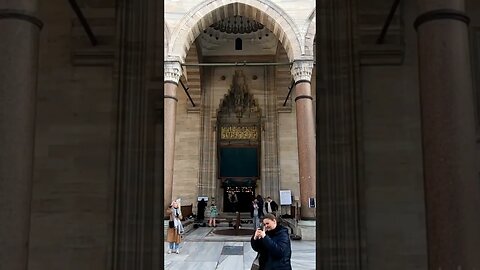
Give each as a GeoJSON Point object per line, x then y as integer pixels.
{"type": "Point", "coordinates": [285, 197]}
{"type": "Point", "coordinates": [199, 198]}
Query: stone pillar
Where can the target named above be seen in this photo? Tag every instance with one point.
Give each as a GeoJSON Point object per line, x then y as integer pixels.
{"type": "Point", "coordinates": [173, 71]}
{"type": "Point", "coordinates": [271, 170]}
{"type": "Point", "coordinates": [339, 160]}
{"type": "Point", "coordinates": [302, 73]}
{"type": "Point", "coordinates": [19, 32]}
{"type": "Point", "coordinates": [208, 179]}
{"type": "Point", "coordinates": [452, 189]}
{"type": "Point", "coordinates": [135, 221]}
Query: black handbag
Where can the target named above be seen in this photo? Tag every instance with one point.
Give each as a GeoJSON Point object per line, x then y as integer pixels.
{"type": "Point", "coordinates": [171, 224]}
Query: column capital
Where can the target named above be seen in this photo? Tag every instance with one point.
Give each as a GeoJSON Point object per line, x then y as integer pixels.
{"type": "Point", "coordinates": [302, 70]}
{"type": "Point", "coordinates": [172, 71]}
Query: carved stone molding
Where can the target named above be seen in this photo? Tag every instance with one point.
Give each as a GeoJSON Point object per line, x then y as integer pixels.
{"type": "Point", "coordinates": [382, 54]}
{"type": "Point", "coordinates": [239, 103]}
{"type": "Point", "coordinates": [302, 70]}
{"type": "Point", "coordinates": [173, 71]}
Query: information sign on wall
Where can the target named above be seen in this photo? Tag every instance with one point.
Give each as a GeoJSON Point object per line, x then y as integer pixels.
{"type": "Point", "coordinates": [285, 197]}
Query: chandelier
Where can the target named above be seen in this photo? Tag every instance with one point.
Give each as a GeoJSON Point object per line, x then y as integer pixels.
{"type": "Point", "coordinates": [237, 25]}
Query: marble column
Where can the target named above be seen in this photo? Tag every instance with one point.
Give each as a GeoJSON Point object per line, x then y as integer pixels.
{"type": "Point", "coordinates": [452, 189]}
{"type": "Point", "coordinates": [302, 73]}
{"type": "Point", "coordinates": [173, 71]}
{"type": "Point", "coordinates": [19, 32]}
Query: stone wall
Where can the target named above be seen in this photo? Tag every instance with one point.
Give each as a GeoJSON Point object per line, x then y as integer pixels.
{"type": "Point", "coordinates": [72, 200]}
{"type": "Point", "coordinates": [288, 153]}
{"type": "Point", "coordinates": [473, 11]}
{"type": "Point", "coordinates": [187, 152]}
{"type": "Point", "coordinates": [394, 210]}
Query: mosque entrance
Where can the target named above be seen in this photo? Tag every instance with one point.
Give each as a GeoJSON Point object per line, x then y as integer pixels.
{"type": "Point", "coordinates": [238, 146]}
{"type": "Point", "coordinates": [238, 194]}
{"type": "Point", "coordinates": [239, 172]}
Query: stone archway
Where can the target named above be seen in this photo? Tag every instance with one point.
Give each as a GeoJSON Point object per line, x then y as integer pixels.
{"type": "Point", "coordinates": [289, 35]}
{"type": "Point", "coordinates": [208, 12]}
{"type": "Point", "coordinates": [166, 37]}
{"type": "Point", "coordinates": [310, 35]}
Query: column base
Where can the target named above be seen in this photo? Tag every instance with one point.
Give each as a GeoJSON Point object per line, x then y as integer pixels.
{"type": "Point", "coordinates": [307, 229]}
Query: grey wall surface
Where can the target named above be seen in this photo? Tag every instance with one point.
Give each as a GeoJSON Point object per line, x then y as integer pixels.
{"type": "Point", "coordinates": [72, 188]}
{"type": "Point", "coordinates": [394, 214]}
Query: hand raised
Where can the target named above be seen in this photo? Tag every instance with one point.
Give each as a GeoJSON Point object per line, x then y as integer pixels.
{"type": "Point", "coordinates": [262, 232]}
{"type": "Point", "coordinates": [258, 234]}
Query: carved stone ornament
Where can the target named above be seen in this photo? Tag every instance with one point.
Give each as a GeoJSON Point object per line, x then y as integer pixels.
{"type": "Point", "coordinates": [302, 70]}
{"type": "Point", "coordinates": [173, 71]}
{"type": "Point", "coordinates": [239, 102]}
{"type": "Point", "coordinates": [239, 133]}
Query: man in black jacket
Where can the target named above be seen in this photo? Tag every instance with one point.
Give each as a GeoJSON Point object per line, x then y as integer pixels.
{"type": "Point", "coordinates": [273, 245]}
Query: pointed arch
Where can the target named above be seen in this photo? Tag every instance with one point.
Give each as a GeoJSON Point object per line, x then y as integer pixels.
{"type": "Point", "coordinates": [310, 35]}
{"type": "Point", "coordinates": [166, 38]}
{"type": "Point", "coordinates": [206, 13]}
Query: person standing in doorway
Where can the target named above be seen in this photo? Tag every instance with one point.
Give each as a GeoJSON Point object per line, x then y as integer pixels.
{"type": "Point", "coordinates": [213, 215]}
{"type": "Point", "coordinates": [260, 206]}
{"type": "Point", "coordinates": [233, 201]}
{"type": "Point", "coordinates": [271, 206]}
{"type": "Point", "coordinates": [175, 227]}
{"type": "Point", "coordinates": [272, 244]}
{"type": "Point", "coordinates": [254, 213]}
{"type": "Point", "coordinates": [202, 204]}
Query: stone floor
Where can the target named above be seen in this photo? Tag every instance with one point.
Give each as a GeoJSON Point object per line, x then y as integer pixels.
{"type": "Point", "coordinates": [203, 249]}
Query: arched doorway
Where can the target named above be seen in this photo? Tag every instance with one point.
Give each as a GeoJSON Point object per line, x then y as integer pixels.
{"type": "Point", "coordinates": [238, 146]}
{"type": "Point", "coordinates": [277, 41]}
